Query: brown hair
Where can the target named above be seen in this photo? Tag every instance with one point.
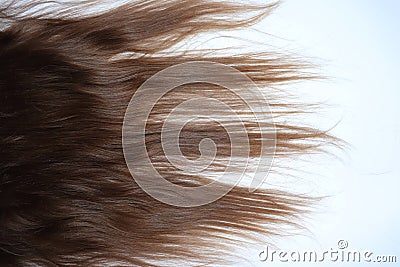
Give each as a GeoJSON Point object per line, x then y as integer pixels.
{"type": "Point", "coordinates": [67, 197]}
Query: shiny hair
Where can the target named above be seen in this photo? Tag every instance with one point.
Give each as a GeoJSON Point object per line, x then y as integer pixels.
{"type": "Point", "coordinates": [68, 72]}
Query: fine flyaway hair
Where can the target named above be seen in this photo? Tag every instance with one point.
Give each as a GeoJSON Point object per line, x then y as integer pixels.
{"type": "Point", "coordinates": [69, 70]}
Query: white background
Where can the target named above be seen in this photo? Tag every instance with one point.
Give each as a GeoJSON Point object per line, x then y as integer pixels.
{"type": "Point", "coordinates": [359, 44]}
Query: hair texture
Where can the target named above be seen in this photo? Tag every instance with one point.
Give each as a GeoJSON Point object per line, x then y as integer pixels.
{"type": "Point", "coordinates": [67, 197]}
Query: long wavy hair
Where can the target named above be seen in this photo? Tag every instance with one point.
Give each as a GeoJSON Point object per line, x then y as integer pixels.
{"type": "Point", "coordinates": [68, 73]}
